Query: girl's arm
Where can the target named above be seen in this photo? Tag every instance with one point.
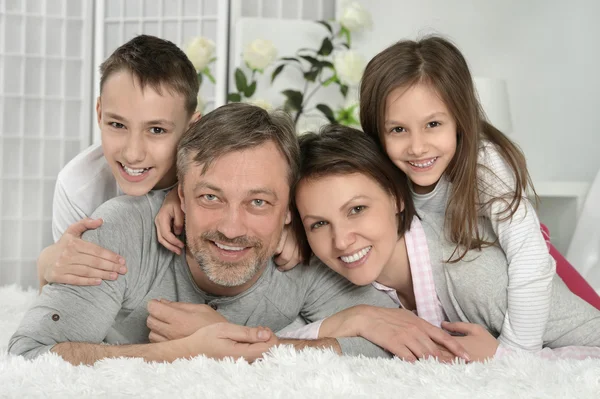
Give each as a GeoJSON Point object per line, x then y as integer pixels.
{"type": "Point", "coordinates": [530, 266]}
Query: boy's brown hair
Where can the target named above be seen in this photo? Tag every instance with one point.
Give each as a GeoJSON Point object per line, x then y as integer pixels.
{"type": "Point", "coordinates": [155, 62]}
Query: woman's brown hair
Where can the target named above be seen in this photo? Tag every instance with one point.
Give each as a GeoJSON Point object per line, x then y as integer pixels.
{"type": "Point", "coordinates": [437, 62]}
{"type": "Point", "coordinates": [342, 150]}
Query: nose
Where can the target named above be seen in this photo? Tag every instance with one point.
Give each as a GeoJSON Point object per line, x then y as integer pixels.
{"type": "Point", "coordinates": [418, 145]}
{"type": "Point", "coordinates": [232, 224]}
{"type": "Point", "coordinates": [343, 238]}
{"type": "Point", "coordinates": [134, 151]}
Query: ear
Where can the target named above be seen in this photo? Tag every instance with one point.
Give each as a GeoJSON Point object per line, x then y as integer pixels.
{"type": "Point", "coordinates": [98, 111]}
{"type": "Point", "coordinates": [288, 217]}
{"type": "Point", "coordinates": [195, 118]}
{"type": "Point", "coordinates": [181, 199]}
{"type": "Point", "coordinates": [398, 204]}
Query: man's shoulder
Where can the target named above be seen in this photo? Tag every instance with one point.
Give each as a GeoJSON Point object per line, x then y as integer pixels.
{"type": "Point", "coordinates": [125, 208]}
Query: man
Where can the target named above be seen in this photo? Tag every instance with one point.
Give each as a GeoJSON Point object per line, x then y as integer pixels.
{"type": "Point", "coordinates": [235, 167]}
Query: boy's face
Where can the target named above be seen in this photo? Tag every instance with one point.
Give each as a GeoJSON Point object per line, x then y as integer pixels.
{"type": "Point", "coordinates": [140, 132]}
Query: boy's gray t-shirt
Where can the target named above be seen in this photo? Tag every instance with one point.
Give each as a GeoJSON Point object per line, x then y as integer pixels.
{"type": "Point", "coordinates": [115, 312]}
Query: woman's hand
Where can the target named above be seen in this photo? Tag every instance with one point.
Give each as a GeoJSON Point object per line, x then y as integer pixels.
{"type": "Point", "coordinates": [398, 331]}
{"type": "Point", "coordinates": [74, 261]}
{"type": "Point", "coordinates": [169, 222]}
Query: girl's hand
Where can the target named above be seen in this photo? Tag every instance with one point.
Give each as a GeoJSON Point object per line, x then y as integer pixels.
{"type": "Point", "coordinates": [480, 344]}
{"type": "Point", "coordinates": [74, 261]}
{"type": "Point", "coordinates": [170, 216]}
{"type": "Point", "coordinates": [287, 254]}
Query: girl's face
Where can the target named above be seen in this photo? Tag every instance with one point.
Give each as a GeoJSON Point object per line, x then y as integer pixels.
{"type": "Point", "coordinates": [420, 134]}
{"type": "Point", "coordinates": [351, 224]}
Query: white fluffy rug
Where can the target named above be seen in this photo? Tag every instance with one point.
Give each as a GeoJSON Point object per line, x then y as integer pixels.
{"type": "Point", "coordinates": [285, 374]}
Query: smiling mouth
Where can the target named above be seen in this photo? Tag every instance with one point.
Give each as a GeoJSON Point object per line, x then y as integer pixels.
{"type": "Point", "coordinates": [133, 172]}
{"type": "Point", "coordinates": [357, 255]}
{"type": "Point", "coordinates": [424, 163]}
{"type": "Point", "coordinates": [228, 247]}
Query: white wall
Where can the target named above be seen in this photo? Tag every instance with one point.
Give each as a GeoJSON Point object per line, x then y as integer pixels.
{"type": "Point", "coordinates": [548, 51]}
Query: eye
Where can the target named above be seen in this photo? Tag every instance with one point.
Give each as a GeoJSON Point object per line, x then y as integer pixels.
{"type": "Point", "coordinates": [259, 203]}
{"type": "Point", "coordinates": [318, 224]}
{"type": "Point", "coordinates": [433, 124]}
{"type": "Point", "coordinates": [117, 125]}
{"type": "Point", "coordinates": [357, 209]}
{"type": "Point", "coordinates": [210, 197]}
{"type": "Point", "coordinates": [157, 130]}
{"type": "Point", "coordinates": [398, 129]}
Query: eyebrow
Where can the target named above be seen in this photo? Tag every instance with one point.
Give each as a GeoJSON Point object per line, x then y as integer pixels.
{"type": "Point", "coordinates": [163, 122]}
{"type": "Point", "coordinates": [428, 117]}
{"type": "Point", "coordinates": [256, 191]}
{"type": "Point", "coordinates": [344, 205]}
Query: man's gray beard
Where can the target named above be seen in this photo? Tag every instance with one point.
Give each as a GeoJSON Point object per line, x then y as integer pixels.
{"type": "Point", "coordinates": [227, 274]}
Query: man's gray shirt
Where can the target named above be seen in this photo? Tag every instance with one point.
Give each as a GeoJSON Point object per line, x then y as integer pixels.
{"type": "Point", "coordinates": [115, 312]}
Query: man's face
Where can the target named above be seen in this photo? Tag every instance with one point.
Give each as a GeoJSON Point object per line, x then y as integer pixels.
{"type": "Point", "coordinates": [140, 132]}
{"type": "Point", "coordinates": [235, 213]}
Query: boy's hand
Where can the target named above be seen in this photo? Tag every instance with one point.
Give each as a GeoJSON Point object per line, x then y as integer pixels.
{"type": "Point", "coordinates": [287, 254]}
{"type": "Point", "coordinates": [74, 261]}
{"type": "Point", "coordinates": [170, 215]}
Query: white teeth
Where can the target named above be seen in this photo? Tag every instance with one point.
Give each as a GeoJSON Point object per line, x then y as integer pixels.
{"type": "Point", "coordinates": [357, 256]}
{"type": "Point", "coordinates": [228, 248]}
{"type": "Point", "coordinates": [133, 172]}
{"type": "Point", "coordinates": [425, 164]}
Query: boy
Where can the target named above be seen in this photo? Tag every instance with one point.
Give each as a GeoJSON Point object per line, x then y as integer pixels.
{"type": "Point", "coordinates": [148, 97]}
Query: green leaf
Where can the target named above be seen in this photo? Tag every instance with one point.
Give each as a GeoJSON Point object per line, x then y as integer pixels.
{"type": "Point", "coordinates": [290, 59]}
{"type": "Point", "coordinates": [346, 33]}
{"type": "Point", "coordinates": [327, 112]}
{"type": "Point", "coordinates": [200, 78]}
{"type": "Point", "coordinates": [326, 47]}
{"type": "Point", "coordinates": [209, 75]}
{"type": "Point", "coordinates": [312, 50]}
{"type": "Point", "coordinates": [311, 75]}
{"type": "Point", "coordinates": [234, 97]}
{"type": "Point", "coordinates": [277, 71]}
{"type": "Point", "coordinates": [241, 83]}
{"type": "Point", "coordinates": [313, 61]}
{"type": "Point", "coordinates": [329, 81]}
{"type": "Point", "coordinates": [250, 89]}
{"type": "Point", "coordinates": [294, 99]}
{"type": "Point", "coordinates": [326, 64]}
{"type": "Point", "coordinates": [344, 90]}
{"type": "Point", "coordinates": [327, 25]}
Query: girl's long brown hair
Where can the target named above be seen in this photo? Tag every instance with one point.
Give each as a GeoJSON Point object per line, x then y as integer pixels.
{"type": "Point", "coordinates": [437, 62]}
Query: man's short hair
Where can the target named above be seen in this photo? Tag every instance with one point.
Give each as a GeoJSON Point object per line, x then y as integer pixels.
{"type": "Point", "coordinates": [236, 127]}
{"type": "Point", "coordinates": [155, 62]}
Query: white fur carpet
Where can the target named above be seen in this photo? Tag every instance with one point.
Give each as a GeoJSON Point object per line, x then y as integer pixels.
{"type": "Point", "coordinates": [285, 374]}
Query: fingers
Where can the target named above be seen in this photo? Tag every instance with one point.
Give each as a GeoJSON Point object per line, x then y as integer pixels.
{"type": "Point", "coordinates": [449, 342]}
{"type": "Point", "coordinates": [83, 247]}
{"type": "Point", "coordinates": [178, 221]}
{"type": "Point", "coordinates": [163, 230]}
{"type": "Point", "coordinates": [154, 337]}
{"type": "Point", "coordinates": [460, 327]}
{"type": "Point", "coordinates": [160, 311]}
{"type": "Point", "coordinates": [242, 333]}
{"type": "Point", "coordinates": [78, 228]}
{"type": "Point", "coordinates": [66, 274]}
{"type": "Point", "coordinates": [157, 326]}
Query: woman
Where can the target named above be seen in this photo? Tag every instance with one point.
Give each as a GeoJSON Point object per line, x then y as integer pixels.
{"type": "Point", "coordinates": [367, 231]}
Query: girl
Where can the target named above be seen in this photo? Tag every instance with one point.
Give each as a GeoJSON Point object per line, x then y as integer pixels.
{"type": "Point", "coordinates": [368, 232]}
{"type": "Point", "coordinates": [418, 101]}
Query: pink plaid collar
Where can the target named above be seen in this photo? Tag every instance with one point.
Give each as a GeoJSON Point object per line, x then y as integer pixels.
{"type": "Point", "coordinates": [428, 304]}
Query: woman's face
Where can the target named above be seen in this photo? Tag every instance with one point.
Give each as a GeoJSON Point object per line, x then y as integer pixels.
{"type": "Point", "coordinates": [350, 222]}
